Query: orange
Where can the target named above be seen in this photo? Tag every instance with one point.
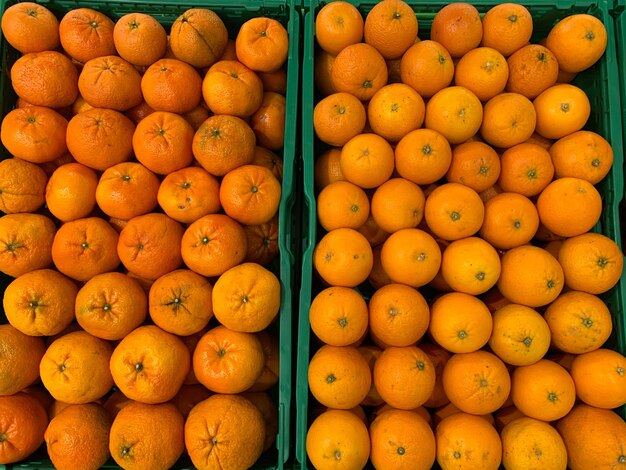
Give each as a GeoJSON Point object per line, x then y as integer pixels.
{"type": "Point", "coordinates": [71, 192]}
{"type": "Point", "coordinates": [505, 415]}
{"type": "Point", "coordinates": [196, 116]}
{"type": "Point", "coordinates": [510, 220]}
{"type": "Point", "coordinates": [507, 27]}
{"type": "Point", "coordinates": [367, 160]}
{"type": "Point", "coordinates": [401, 439]}
{"type": "Point", "coordinates": [359, 69]}
{"type": "Point", "coordinates": [474, 164]}
{"type": "Point", "coordinates": [343, 257]}
{"type": "Point", "coordinates": [338, 117]}
{"type": "Point", "coordinates": [100, 138]}
{"type": "Point", "coordinates": [213, 244]}
{"type": "Point", "coordinates": [411, 256]}
{"type": "Point", "coordinates": [262, 44]}
{"type": "Point", "coordinates": [83, 248]}
{"type": "Point", "coordinates": [75, 368]}
{"type": "Point", "coordinates": [127, 190]}
{"type": "Point", "coordinates": [86, 34]}
{"type": "Point", "coordinates": [188, 397]}
{"type": "Point", "coordinates": [275, 81]}
{"type": "Point", "coordinates": [463, 439]}
{"type": "Point", "coordinates": [374, 234]}
{"type": "Point", "coordinates": [520, 335]}
{"type": "Point", "coordinates": [391, 27]}
{"type": "Point", "coordinates": [110, 82]}
{"type": "Point", "coordinates": [342, 205]}
{"type": "Point", "coordinates": [600, 378]}
{"type": "Point", "coordinates": [40, 302]}
{"type": "Point", "coordinates": [26, 241]}
{"type": "Point", "coordinates": [322, 72]}
{"type": "Point", "coordinates": [250, 194]}
{"type": "Point", "coordinates": [470, 265]}
{"type": "Point", "coordinates": [29, 27]}
{"type": "Point", "coordinates": [541, 141]}
{"type": "Point", "coordinates": [509, 119]}
{"type": "Point", "coordinates": [23, 353]}
{"type": "Point", "coordinates": [268, 122]}
{"type": "Point", "coordinates": [223, 143]}
{"type": "Point", "coordinates": [543, 390]}
{"type": "Point", "coordinates": [45, 78]}
{"type": "Point", "coordinates": [395, 110]}
{"type": "Point", "coordinates": [150, 365]}
{"type": "Point", "coordinates": [398, 315]}
{"type": "Point", "coordinates": [23, 186]}
{"type": "Point", "coordinates": [525, 169]}
{"type": "Point", "coordinates": [111, 305]}
{"type": "Point", "coordinates": [34, 134]}
{"type": "Point", "coordinates": [229, 87]}
{"type": "Point", "coordinates": [569, 206]}
{"type": "Point", "coordinates": [484, 71]}
{"type": "Point", "coordinates": [530, 443]}
{"type": "Point", "coordinates": [271, 351]}
{"type": "Point", "coordinates": [78, 438]}
{"type": "Point", "coordinates": [578, 41]}
{"type": "Point", "coordinates": [423, 156]}
{"type": "Point", "coordinates": [338, 316]}
{"type": "Point", "coordinates": [455, 112]}
{"type": "Point", "coordinates": [454, 211]}
{"type": "Point", "coordinates": [162, 142]}
{"type": "Point", "coordinates": [427, 67]}
{"type": "Point", "coordinates": [180, 302]}
{"type": "Point", "coordinates": [171, 85]}
{"type": "Point", "coordinates": [338, 25]}
{"type": "Point", "coordinates": [439, 356]}
{"type": "Point", "coordinates": [150, 245]}
{"type": "Point", "coordinates": [398, 203]}
{"type": "Point", "coordinates": [339, 377]}
{"type": "Point", "coordinates": [579, 322]}
{"type": "Point", "coordinates": [23, 421]}
{"type": "Point", "coordinates": [458, 28]}
{"type": "Point", "coordinates": [530, 276]}
{"type": "Point", "coordinates": [561, 110]}
{"type": "Point", "coordinates": [338, 435]}
{"type": "Point", "coordinates": [198, 37]}
{"type": "Point", "coordinates": [532, 69]}
{"type": "Point", "coordinates": [266, 406]}
{"type": "Point", "coordinates": [246, 298]}
{"type": "Point", "coordinates": [593, 437]}
{"type": "Point", "coordinates": [450, 409]}
{"type": "Point", "coordinates": [591, 263]}
{"type": "Point", "coordinates": [211, 425]}
{"type": "Point", "coordinates": [582, 154]}
{"type": "Point", "coordinates": [404, 377]}
{"type": "Point", "coordinates": [188, 194]}
{"type": "Point", "coordinates": [139, 38]}
{"type": "Point", "coordinates": [477, 382]}
{"type": "Point", "coordinates": [371, 355]}
{"type": "Point", "coordinates": [378, 277]}
{"type": "Point", "coordinates": [268, 159]}
{"type": "Point", "coordinates": [262, 242]}
{"type": "Point", "coordinates": [227, 361]}
{"type": "Point", "coordinates": [460, 323]}
{"type": "Point", "coordinates": [147, 436]}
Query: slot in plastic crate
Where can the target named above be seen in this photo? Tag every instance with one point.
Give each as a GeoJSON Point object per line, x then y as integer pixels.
{"type": "Point", "coordinates": [599, 84]}
{"type": "Point", "coordinates": [234, 14]}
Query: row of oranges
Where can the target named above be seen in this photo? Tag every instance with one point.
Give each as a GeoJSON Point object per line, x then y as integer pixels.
{"type": "Point", "coordinates": [141, 206]}
{"type": "Point", "coordinates": [455, 204]}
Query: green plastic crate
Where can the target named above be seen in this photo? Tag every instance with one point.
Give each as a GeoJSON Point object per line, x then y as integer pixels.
{"type": "Point", "coordinates": [234, 14]}
{"type": "Point", "coordinates": [605, 119]}
{"type": "Point", "coordinates": [620, 39]}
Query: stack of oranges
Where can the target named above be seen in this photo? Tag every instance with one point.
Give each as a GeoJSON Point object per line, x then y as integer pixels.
{"type": "Point", "coordinates": [141, 207]}
{"type": "Point", "coordinates": [457, 198]}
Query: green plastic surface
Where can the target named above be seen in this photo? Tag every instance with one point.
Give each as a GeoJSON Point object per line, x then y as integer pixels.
{"type": "Point", "coordinates": [234, 14]}
{"type": "Point", "coordinates": [600, 85]}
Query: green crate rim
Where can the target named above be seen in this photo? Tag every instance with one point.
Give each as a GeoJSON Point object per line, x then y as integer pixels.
{"type": "Point", "coordinates": [287, 222]}
{"type": "Point", "coordinates": [611, 209]}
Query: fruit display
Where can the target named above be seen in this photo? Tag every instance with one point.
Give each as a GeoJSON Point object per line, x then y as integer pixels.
{"type": "Point", "coordinates": [146, 189]}
{"type": "Point", "coordinates": [461, 290]}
